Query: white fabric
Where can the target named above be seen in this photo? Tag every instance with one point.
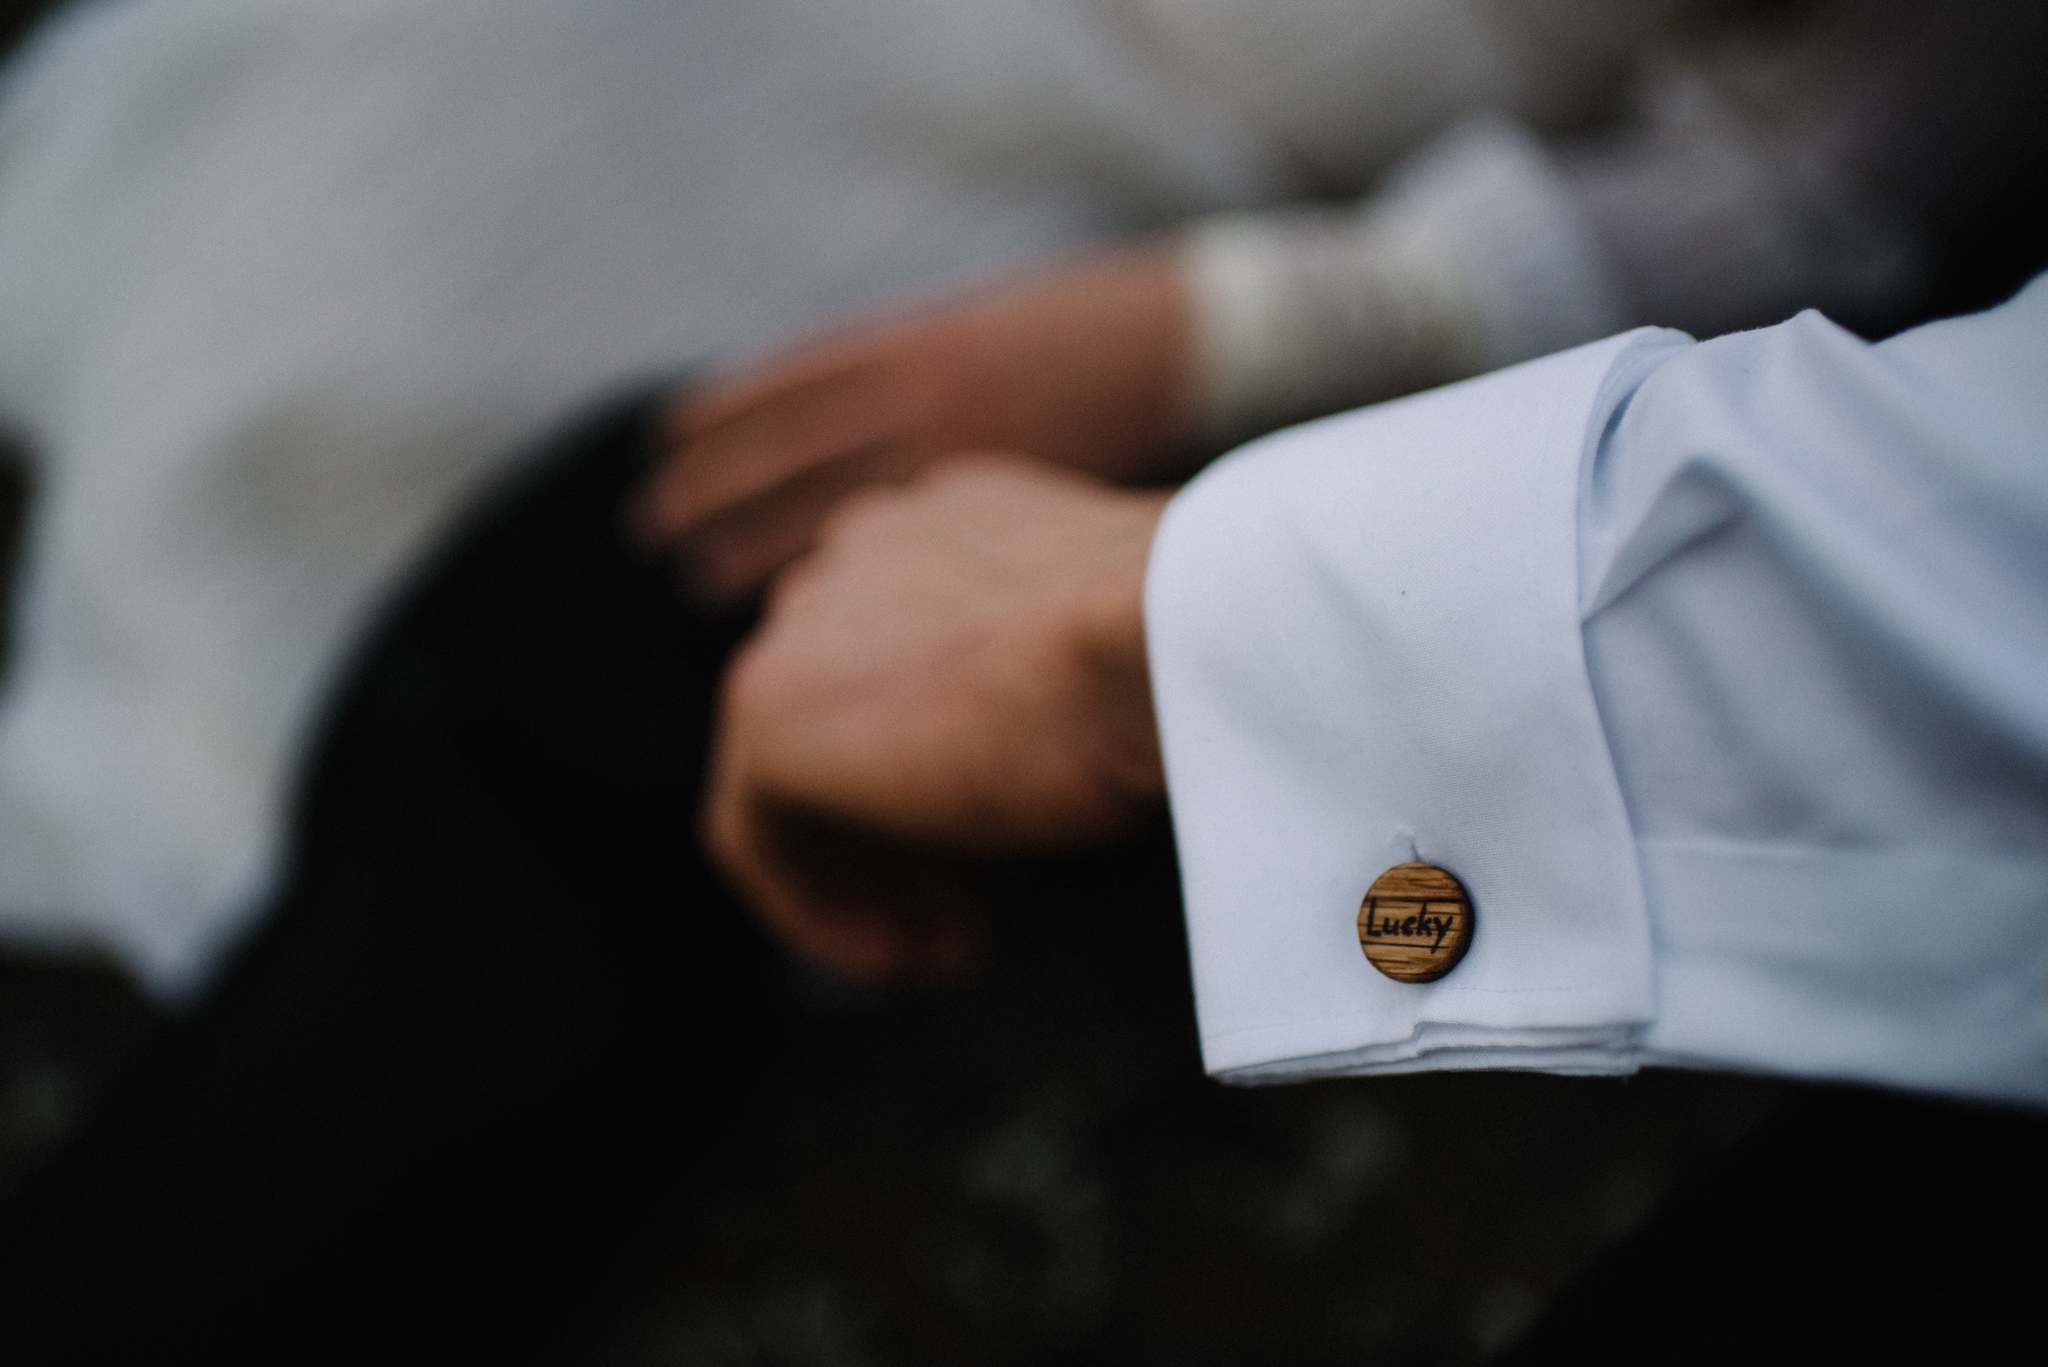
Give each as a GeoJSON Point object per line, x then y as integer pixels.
{"type": "Point", "coordinates": [1718, 672]}
{"type": "Point", "coordinates": [1347, 86]}
{"type": "Point", "coordinates": [1716, 213]}
{"type": "Point", "coordinates": [1828, 161]}
{"type": "Point", "coordinates": [1364, 641]}
{"type": "Point", "coordinates": [1473, 255]}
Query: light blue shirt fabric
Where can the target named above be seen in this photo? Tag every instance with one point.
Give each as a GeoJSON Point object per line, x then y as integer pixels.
{"type": "Point", "coordinates": [1718, 672]}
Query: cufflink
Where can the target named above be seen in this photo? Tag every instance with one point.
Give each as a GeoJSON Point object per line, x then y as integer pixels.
{"type": "Point", "coordinates": [1415, 923]}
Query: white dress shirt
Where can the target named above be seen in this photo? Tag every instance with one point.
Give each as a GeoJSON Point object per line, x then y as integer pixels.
{"type": "Point", "coordinates": [1717, 671]}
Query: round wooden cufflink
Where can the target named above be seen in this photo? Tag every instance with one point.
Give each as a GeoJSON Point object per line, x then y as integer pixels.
{"type": "Point", "coordinates": [1415, 923]}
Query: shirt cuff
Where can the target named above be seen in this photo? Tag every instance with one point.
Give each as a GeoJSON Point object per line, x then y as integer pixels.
{"type": "Point", "coordinates": [1474, 255]}
{"type": "Point", "coordinates": [1366, 649]}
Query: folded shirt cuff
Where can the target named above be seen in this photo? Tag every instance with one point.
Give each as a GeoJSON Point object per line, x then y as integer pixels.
{"type": "Point", "coordinates": [1366, 650]}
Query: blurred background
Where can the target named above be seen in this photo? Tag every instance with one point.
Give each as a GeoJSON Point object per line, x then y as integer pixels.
{"type": "Point", "coordinates": [1039, 1172]}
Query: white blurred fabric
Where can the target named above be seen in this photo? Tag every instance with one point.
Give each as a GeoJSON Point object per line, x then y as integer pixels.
{"type": "Point", "coordinates": [1824, 155]}
{"type": "Point", "coordinates": [1717, 671]}
{"type": "Point", "coordinates": [1472, 254]}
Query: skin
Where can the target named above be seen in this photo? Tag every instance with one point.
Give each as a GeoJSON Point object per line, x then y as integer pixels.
{"type": "Point", "coordinates": [956, 671]}
{"type": "Point", "coordinates": [951, 663]}
{"type": "Point", "coordinates": [1087, 366]}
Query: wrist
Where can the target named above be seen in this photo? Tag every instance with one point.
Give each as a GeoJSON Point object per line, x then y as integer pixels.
{"type": "Point", "coordinates": [1107, 635]}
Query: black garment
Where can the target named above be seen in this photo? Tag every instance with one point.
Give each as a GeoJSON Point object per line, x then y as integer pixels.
{"type": "Point", "coordinates": [1854, 1226]}
{"type": "Point", "coordinates": [504, 1024]}
{"type": "Point", "coordinates": [504, 1020]}
{"type": "Point", "coordinates": [437, 1086]}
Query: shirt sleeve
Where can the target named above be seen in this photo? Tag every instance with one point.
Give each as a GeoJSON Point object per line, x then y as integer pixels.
{"type": "Point", "coordinates": [1824, 163]}
{"type": "Point", "coordinates": [1712, 670]}
{"type": "Point", "coordinates": [1473, 255]}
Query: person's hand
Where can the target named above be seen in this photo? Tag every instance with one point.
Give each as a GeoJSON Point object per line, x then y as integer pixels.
{"type": "Point", "coordinates": [1087, 366]}
{"type": "Point", "coordinates": [957, 671]}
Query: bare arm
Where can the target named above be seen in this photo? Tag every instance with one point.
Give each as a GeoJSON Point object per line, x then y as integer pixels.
{"type": "Point", "coordinates": [958, 670]}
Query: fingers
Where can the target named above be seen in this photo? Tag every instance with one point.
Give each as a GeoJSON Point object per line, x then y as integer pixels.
{"type": "Point", "coordinates": [1084, 366]}
{"type": "Point", "coordinates": [729, 447]}
{"type": "Point", "coordinates": [754, 463]}
{"type": "Point", "coordinates": [731, 554]}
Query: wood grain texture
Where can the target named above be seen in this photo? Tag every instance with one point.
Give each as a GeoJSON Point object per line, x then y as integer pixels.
{"type": "Point", "coordinates": [1415, 923]}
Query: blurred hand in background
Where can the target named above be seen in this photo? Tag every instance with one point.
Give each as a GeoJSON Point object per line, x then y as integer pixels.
{"type": "Point", "coordinates": [1087, 366]}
